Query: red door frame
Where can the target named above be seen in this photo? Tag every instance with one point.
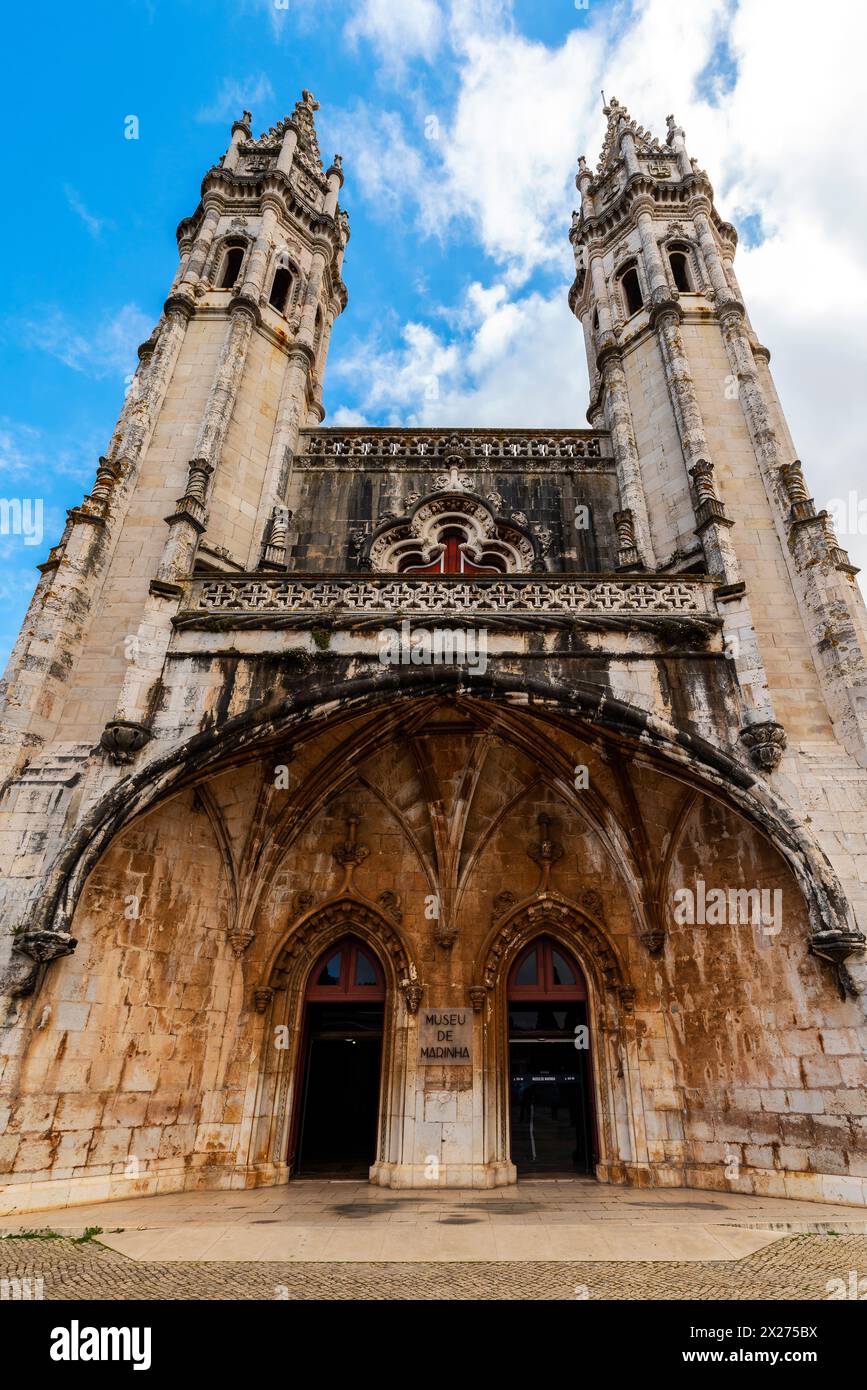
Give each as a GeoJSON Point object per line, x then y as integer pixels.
{"type": "Point", "coordinates": [546, 991]}
{"type": "Point", "coordinates": [345, 991]}
{"type": "Point", "coordinates": [452, 560]}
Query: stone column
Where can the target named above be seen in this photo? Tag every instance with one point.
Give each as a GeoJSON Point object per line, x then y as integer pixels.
{"type": "Point", "coordinates": [710, 253]}
{"type": "Point", "coordinates": [259, 257]}
{"type": "Point", "coordinates": [583, 180]}
{"type": "Point", "coordinates": [601, 301]}
{"type": "Point", "coordinates": [186, 525]}
{"type": "Point", "coordinates": [291, 412]}
{"type": "Point", "coordinates": [712, 528]}
{"type": "Point", "coordinates": [202, 245]}
{"type": "Point", "coordinates": [313, 293]}
{"type": "Point", "coordinates": [627, 149]}
{"type": "Point", "coordinates": [660, 290]}
{"type": "Point", "coordinates": [240, 131]}
{"type": "Point", "coordinates": [334, 177]}
{"type": "Point", "coordinates": [287, 150]}
{"type": "Point", "coordinates": [678, 144]}
{"type": "Point", "coordinates": [618, 419]}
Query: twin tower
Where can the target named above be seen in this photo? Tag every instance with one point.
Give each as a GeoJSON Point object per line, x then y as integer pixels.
{"type": "Point", "coordinates": [211, 777]}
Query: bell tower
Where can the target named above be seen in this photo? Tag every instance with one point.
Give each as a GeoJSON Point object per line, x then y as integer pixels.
{"type": "Point", "coordinates": [195, 477]}
{"type": "Point", "coordinates": [708, 474]}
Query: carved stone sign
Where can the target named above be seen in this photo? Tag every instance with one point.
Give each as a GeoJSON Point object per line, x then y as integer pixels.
{"type": "Point", "coordinates": [445, 1037]}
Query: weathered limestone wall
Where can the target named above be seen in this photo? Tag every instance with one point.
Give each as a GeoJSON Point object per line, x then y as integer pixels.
{"type": "Point", "coordinates": [337, 508]}
{"type": "Point", "coordinates": [125, 1064]}
{"type": "Point", "coordinates": [142, 1057]}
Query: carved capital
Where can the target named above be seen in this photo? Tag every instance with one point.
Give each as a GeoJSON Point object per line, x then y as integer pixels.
{"type": "Point", "coordinates": [478, 996]}
{"type": "Point", "coordinates": [765, 743]}
{"type": "Point", "coordinates": [121, 739]}
{"type": "Point", "coordinates": [42, 946]}
{"type": "Point", "coordinates": [239, 939]}
{"type": "Point", "coordinates": [836, 946]}
{"type": "Point", "coordinates": [412, 993]}
{"type": "Point", "coordinates": [262, 997]}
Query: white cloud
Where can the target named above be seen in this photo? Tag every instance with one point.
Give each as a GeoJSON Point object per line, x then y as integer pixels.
{"type": "Point", "coordinates": [237, 94]}
{"type": "Point", "coordinates": [31, 456]}
{"type": "Point", "coordinates": [517, 362]}
{"type": "Point", "coordinates": [409, 29]}
{"type": "Point", "coordinates": [348, 418]}
{"type": "Point", "coordinates": [93, 224]}
{"type": "Point", "coordinates": [385, 164]}
{"type": "Point", "coordinates": [775, 136]}
{"type": "Point", "coordinates": [106, 350]}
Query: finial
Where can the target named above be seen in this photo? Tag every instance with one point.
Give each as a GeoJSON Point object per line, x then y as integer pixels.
{"type": "Point", "coordinates": [309, 100]}
{"type": "Point", "coordinates": [247, 118]}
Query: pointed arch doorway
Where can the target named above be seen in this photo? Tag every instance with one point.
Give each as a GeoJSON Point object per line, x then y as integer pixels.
{"type": "Point", "coordinates": [336, 1117]}
{"type": "Point", "coordinates": [552, 1122]}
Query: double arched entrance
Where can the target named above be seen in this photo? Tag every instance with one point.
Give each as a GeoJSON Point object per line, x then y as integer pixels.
{"type": "Point", "coordinates": [339, 1090]}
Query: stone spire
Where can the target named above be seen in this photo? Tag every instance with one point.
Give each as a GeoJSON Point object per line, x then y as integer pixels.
{"type": "Point", "coordinates": [700, 443]}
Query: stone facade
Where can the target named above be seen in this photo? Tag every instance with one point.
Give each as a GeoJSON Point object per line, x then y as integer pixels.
{"type": "Point", "coordinates": [649, 688]}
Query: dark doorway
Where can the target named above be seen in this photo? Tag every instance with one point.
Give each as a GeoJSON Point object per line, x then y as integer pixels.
{"type": "Point", "coordinates": [338, 1103]}
{"type": "Point", "coordinates": [551, 1104]}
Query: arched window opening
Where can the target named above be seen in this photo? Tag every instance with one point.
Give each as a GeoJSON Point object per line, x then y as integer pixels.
{"type": "Point", "coordinates": [347, 970]}
{"type": "Point", "coordinates": [632, 290]}
{"type": "Point", "coordinates": [552, 1119]}
{"type": "Point", "coordinates": [232, 262]}
{"type": "Point", "coordinates": [595, 320]}
{"type": "Point", "coordinates": [280, 288]}
{"type": "Point", "coordinates": [680, 274]}
{"type": "Point", "coordinates": [452, 559]}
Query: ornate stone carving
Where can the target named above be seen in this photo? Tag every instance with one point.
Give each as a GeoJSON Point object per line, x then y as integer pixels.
{"type": "Point", "coordinates": [412, 993]}
{"type": "Point", "coordinates": [478, 996]}
{"type": "Point", "coordinates": [121, 739]}
{"type": "Point", "coordinates": [765, 743]}
{"type": "Point", "coordinates": [802, 503]}
{"type": "Point", "coordinates": [377, 595]}
{"type": "Point", "coordinates": [192, 506]}
{"type": "Point", "coordinates": [546, 852]}
{"type": "Point", "coordinates": [417, 537]}
{"type": "Point", "coordinates": [592, 900]}
{"type": "Point", "coordinates": [502, 904]}
{"type": "Point", "coordinates": [274, 549]}
{"type": "Point", "coordinates": [652, 939]}
{"type": "Point", "coordinates": [453, 481]}
{"type": "Point", "coordinates": [389, 901]}
{"type": "Point", "coordinates": [239, 939]}
{"type": "Point", "coordinates": [349, 851]}
{"type": "Point", "coordinates": [709, 507]}
{"type": "Point", "coordinates": [107, 474]}
{"type": "Point", "coordinates": [482, 445]}
{"type": "Point", "coordinates": [627, 555]}
{"type": "Point", "coordinates": [42, 946]}
{"type": "Point", "coordinates": [837, 946]}
{"type": "Point", "coordinates": [262, 996]}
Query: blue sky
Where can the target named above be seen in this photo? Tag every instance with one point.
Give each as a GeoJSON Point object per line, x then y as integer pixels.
{"type": "Point", "coordinates": [459, 263]}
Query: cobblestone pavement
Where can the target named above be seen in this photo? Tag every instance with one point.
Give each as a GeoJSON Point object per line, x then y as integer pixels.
{"type": "Point", "coordinates": [795, 1268]}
